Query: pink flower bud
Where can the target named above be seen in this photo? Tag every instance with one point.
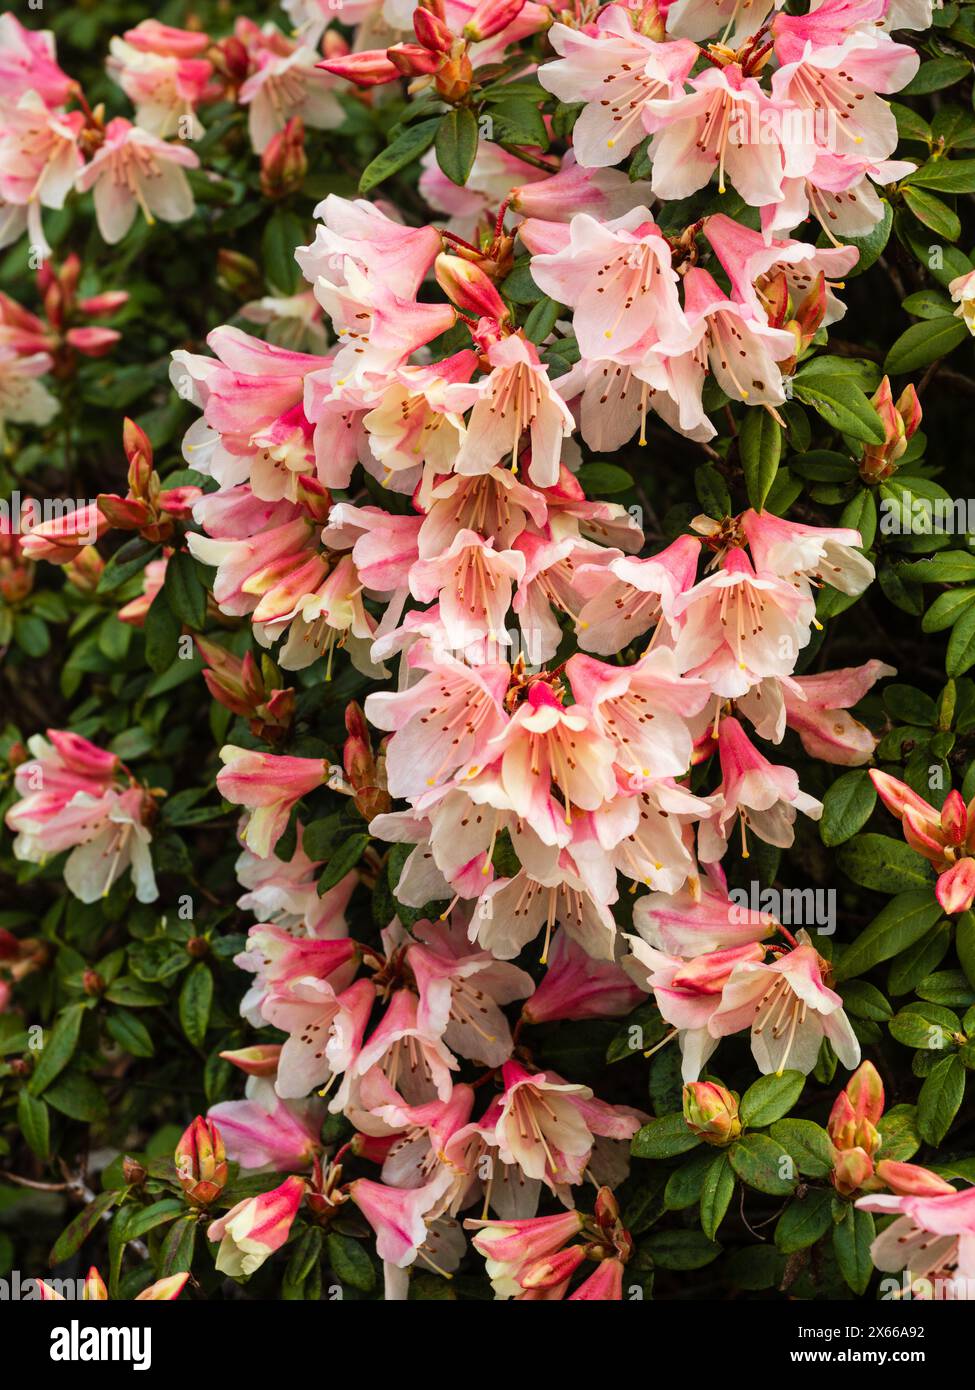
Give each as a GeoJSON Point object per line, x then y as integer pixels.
{"type": "Point", "coordinates": [490, 17]}
{"type": "Point", "coordinates": [469, 288]}
{"type": "Point", "coordinates": [255, 1228]}
{"type": "Point", "coordinates": [370, 68]}
{"type": "Point", "coordinates": [711, 1112]}
{"type": "Point", "coordinates": [201, 1162]}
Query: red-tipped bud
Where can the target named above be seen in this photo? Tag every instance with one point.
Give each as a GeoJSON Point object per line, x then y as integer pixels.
{"type": "Point", "coordinates": [201, 1162]}
{"type": "Point", "coordinates": [711, 1112]}
{"type": "Point", "coordinates": [91, 341]}
{"type": "Point", "coordinates": [358, 763]}
{"type": "Point", "coordinates": [370, 68]}
{"type": "Point", "coordinates": [284, 163]}
{"type": "Point", "coordinates": [467, 286]}
{"type": "Point", "coordinates": [138, 451]}
{"type": "Point", "coordinates": [432, 32]}
{"type": "Point", "coordinates": [552, 1270]}
{"type": "Point", "coordinates": [911, 1180]}
{"type": "Point", "coordinates": [413, 60]}
{"type": "Point", "coordinates": [954, 818]}
{"type": "Point", "coordinates": [259, 1060]}
{"type": "Point", "coordinates": [851, 1170]}
{"type": "Point", "coordinates": [108, 302]}
{"type": "Point", "coordinates": [490, 17]}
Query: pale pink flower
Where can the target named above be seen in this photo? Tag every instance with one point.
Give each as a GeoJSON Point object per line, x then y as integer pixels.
{"type": "Point", "coordinates": [288, 84]}
{"type": "Point", "coordinates": [604, 193]}
{"type": "Point", "coordinates": [554, 763]}
{"type": "Point", "coordinates": [28, 64]}
{"type": "Point", "coordinates": [516, 397]}
{"type": "Point", "coordinates": [358, 230]}
{"type": "Point", "coordinates": [134, 169]}
{"type": "Point", "coordinates": [269, 786]}
{"type": "Point", "coordinates": [164, 88]}
{"type": "Point", "coordinates": [752, 259]}
{"type": "Point", "coordinates": [700, 918]}
{"type": "Point", "coordinates": [548, 1127]}
{"type": "Point", "coordinates": [575, 986]}
{"type": "Point", "coordinates": [615, 70]}
{"type": "Point", "coordinates": [264, 1131]}
{"type": "Point", "coordinates": [619, 278]}
{"type": "Point", "coordinates": [441, 723]}
{"type": "Point", "coordinates": [461, 991]}
{"type": "Point", "coordinates": [789, 1009]}
{"type": "Point", "coordinates": [642, 709]}
{"type": "Point", "coordinates": [416, 1065]}
{"type": "Point", "coordinates": [736, 626]}
{"type": "Point", "coordinates": [325, 1031]}
{"type": "Point", "coordinates": [765, 796]}
{"type": "Point", "coordinates": [513, 1250]}
{"type": "Point", "coordinates": [413, 429]}
{"type": "Point", "coordinates": [817, 707]}
{"type": "Point", "coordinates": [473, 583]}
{"type": "Point", "coordinates": [800, 553]}
{"type": "Point", "coordinates": [728, 124]}
{"type": "Point", "coordinates": [933, 1237]}
{"type": "Point", "coordinates": [23, 399]}
{"type": "Point", "coordinates": [39, 161]}
{"type": "Point", "coordinates": [255, 1228]}
{"type": "Point", "coordinates": [627, 596]}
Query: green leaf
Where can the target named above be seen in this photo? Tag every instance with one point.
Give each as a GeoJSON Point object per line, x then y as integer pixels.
{"type": "Point", "coordinates": [804, 1221]}
{"type": "Point", "coordinates": [927, 1026]}
{"type": "Point", "coordinates": [283, 232]}
{"type": "Point", "coordinates": [965, 944]}
{"type": "Point", "coordinates": [343, 860]}
{"type": "Point", "coordinates": [178, 1246]}
{"type": "Point", "coordinates": [130, 1033]}
{"type": "Point", "coordinates": [664, 1138]}
{"type": "Point", "coordinates": [162, 631]}
{"type": "Point", "coordinates": [771, 1097]}
{"type": "Point", "coordinates": [407, 147]}
{"type": "Point", "coordinates": [186, 595]}
{"type": "Point", "coordinates": [946, 609]}
{"type": "Point", "coordinates": [350, 1263]}
{"type": "Point", "coordinates": [681, 1249]}
{"type": "Point", "coordinates": [945, 176]}
{"type": "Point", "coordinates": [841, 404]}
{"type": "Point", "coordinates": [900, 1140]}
{"type": "Point", "coordinates": [59, 1047]}
{"type": "Point", "coordinates": [864, 1000]}
{"type": "Point", "coordinates": [34, 1120]}
{"type": "Point", "coordinates": [808, 1144]}
{"type": "Point", "coordinates": [520, 123]}
{"type": "Point", "coordinates": [456, 144]}
{"type": "Point", "coordinates": [542, 318]}
{"type": "Point", "coordinates": [127, 561]}
{"type": "Point", "coordinates": [716, 1194]}
{"type": "Point", "coordinates": [852, 1238]}
{"type": "Point", "coordinates": [74, 1236]}
{"type": "Point", "coordinates": [76, 1095]}
{"type": "Point", "coordinates": [603, 478]}
{"type": "Point", "coordinates": [195, 1000]}
{"type": "Point", "coordinates": [884, 864]}
{"type": "Point", "coordinates": [760, 447]}
{"type": "Point", "coordinates": [924, 343]}
{"type": "Point", "coordinates": [762, 1163]}
{"type": "Point", "coordinates": [933, 213]}
{"type": "Point", "coordinates": [940, 1099]}
{"type": "Point", "coordinates": [935, 74]}
{"type": "Point", "coordinates": [847, 806]}
{"type": "Point", "coordinates": [960, 655]}
{"type": "Point", "coordinates": [903, 921]}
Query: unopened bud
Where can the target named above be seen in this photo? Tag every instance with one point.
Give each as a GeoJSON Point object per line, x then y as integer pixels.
{"type": "Point", "coordinates": [201, 1162]}
{"type": "Point", "coordinates": [711, 1112]}
{"type": "Point", "coordinates": [467, 286]}
{"type": "Point", "coordinates": [284, 163]}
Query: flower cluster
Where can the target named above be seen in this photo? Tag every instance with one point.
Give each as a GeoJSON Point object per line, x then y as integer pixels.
{"type": "Point", "coordinates": [543, 737]}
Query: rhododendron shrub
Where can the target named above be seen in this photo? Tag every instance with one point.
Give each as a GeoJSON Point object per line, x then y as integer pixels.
{"type": "Point", "coordinates": [486, 618]}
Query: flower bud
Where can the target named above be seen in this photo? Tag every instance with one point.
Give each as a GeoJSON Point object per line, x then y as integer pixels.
{"type": "Point", "coordinates": [469, 288]}
{"type": "Point", "coordinates": [711, 1112]}
{"type": "Point", "coordinates": [454, 79]}
{"type": "Point", "coordinates": [284, 163]}
{"type": "Point", "coordinates": [490, 17]}
{"type": "Point", "coordinates": [138, 451]}
{"type": "Point", "coordinates": [133, 1172]}
{"type": "Point", "coordinates": [359, 765]}
{"type": "Point", "coordinates": [911, 1180]}
{"type": "Point", "coordinates": [238, 274]}
{"type": "Point", "coordinates": [201, 1162]}
{"type": "Point", "coordinates": [259, 1060]}
{"type": "Point", "coordinates": [853, 1168]}
{"type": "Point", "coordinates": [371, 68]}
{"type": "Point", "coordinates": [431, 31]}
{"type": "Point", "coordinates": [413, 60]}
{"type": "Point", "coordinates": [900, 422]}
